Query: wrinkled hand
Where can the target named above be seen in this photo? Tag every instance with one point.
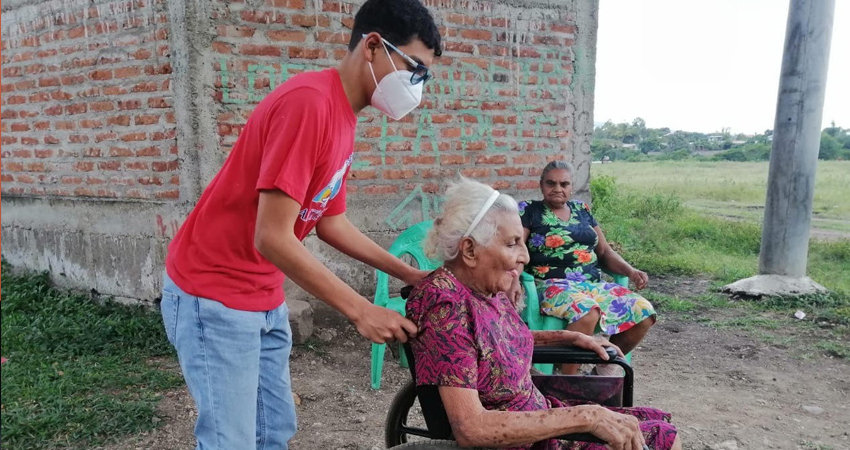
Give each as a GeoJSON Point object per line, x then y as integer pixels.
{"type": "Point", "coordinates": [639, 279]}
{"type": "Point", "coordinates": [381, 325]}
{"type": "Point", "coordinates": [596, 344]}
{"type": "Point", "coordinates": [620, 431]}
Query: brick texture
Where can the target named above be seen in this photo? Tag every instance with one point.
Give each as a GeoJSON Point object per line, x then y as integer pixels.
{"type": "Point", "coordinates": [86, 102]}
{"type": "Point", "coordinates": [496, 110]}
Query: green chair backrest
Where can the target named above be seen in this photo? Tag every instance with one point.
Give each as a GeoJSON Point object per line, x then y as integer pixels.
{"type": "Point", "coordinates": [410, 243]}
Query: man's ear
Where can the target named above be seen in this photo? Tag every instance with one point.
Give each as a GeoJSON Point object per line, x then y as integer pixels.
{"type": "Point", "coordinates": [370, 44]}
{"type": "Point", "coordinates": [469, 251]}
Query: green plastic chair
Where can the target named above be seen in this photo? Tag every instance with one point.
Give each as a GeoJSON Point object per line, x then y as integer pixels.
{"type": "Point", "coordinates": [536, 321]}
{"type": "Point", "coordinates": [408, 243]}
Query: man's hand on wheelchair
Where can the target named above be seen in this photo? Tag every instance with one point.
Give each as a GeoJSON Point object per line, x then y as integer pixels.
{"type": "Point", "coordinates": [381, 325]}
{"type": "Point", "coordinates": [594, 343]}
{"type": "Point", "coordinates": [621, 432]}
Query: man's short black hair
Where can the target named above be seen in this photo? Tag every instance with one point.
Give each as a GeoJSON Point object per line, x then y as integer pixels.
{"type": "Point", "coordinates": [398, 21]}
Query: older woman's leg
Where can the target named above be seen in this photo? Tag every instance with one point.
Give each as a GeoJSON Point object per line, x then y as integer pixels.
{"type": "Point", "coordinates": [586, 325]}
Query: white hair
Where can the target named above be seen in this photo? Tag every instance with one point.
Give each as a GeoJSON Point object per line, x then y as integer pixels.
{"type": "Point", "coordinates": [464, 199]}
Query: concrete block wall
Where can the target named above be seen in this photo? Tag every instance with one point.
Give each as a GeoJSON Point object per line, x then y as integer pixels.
{"type": "Point", "coordinates": [116, 114]}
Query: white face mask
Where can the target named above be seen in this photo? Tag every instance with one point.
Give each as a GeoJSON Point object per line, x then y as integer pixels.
{"type": "Point", "coordinates": [394, 95]}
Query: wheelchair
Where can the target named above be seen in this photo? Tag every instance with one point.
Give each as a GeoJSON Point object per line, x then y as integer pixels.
{"type": "Point", "coordinates": [427, 427]}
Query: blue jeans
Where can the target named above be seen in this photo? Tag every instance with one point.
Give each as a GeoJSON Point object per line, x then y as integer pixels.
{"type": "Point", "coordinates": [236, 364]}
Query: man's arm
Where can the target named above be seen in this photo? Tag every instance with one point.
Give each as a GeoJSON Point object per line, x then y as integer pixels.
{"type": "Point", "coordinates": [342, 235]}
{"type": "Point", "coordinates": [275, 239]}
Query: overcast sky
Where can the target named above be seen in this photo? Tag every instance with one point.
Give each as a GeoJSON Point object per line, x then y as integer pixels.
{"type": "Point", "coordinates": [705, 65]}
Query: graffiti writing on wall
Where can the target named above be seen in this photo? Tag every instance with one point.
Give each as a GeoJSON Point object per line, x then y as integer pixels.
{"type": "Point", "coordinates": [468, 86]}
{"type": "Point", "coordinates": [416, 207]}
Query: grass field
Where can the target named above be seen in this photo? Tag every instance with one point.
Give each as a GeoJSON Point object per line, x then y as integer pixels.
{"type": "Point", "coordinates": [733, 189]}
{"type": "Point", "coordinates": [646, 211]}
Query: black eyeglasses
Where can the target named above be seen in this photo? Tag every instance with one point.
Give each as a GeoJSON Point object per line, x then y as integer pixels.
{"type": "Point", "coordinates": [421, 73]}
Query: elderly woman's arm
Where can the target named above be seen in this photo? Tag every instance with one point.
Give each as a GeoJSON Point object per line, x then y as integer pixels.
{"type": "Point", "coordinates": [596, 344]}
{"type": "Point", "coordinates": [612, 261]}
{"type": "Point", "coordinates": [474, 426]}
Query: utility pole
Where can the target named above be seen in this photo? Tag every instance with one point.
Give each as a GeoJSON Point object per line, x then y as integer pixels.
{"type": "Point", "coordinates": [793, 157]}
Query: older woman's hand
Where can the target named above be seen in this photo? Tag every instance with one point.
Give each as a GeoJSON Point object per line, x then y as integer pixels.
{"type": "Point", "coordinates": [596, 344]}
{"type": "Point", "coordinates": [639, 279]}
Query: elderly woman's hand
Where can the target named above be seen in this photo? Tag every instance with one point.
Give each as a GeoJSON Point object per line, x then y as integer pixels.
{"type": "Point", "coordinates": [639, 279]}
{"type": "Point", "coordinates": [620, 431]}
{"type": "Point", "coordinates": [594, 343]}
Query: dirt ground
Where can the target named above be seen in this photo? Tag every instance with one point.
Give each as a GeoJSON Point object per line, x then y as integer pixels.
{"type": "Point", "coordinates": [726, 389]}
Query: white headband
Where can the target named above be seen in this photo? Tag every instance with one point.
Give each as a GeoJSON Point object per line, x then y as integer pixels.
{"type": "Point", "coordinates": [481, 213]}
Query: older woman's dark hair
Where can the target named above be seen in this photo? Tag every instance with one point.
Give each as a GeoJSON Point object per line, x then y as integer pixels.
{"type": "Point", "coordinates": [557, 165]}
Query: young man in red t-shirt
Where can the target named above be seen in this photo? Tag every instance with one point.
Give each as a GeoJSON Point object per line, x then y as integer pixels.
{"type": "Point", "coordinates": [223, 301]}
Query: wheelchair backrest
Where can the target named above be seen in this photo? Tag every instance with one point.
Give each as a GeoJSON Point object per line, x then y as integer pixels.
{"type": "Point", "coordinates": [431, 403]}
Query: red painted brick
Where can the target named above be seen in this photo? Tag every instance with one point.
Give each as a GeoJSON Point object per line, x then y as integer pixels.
{"type": "Point", "coordinates": [134, 137]}
{"type": "Point", "coordinates": [78, 139]}
{"type": "Point", "coordinates": [47, 153]}
{"type": "Point", "coordinates": [287, 35]}
{"type": "Point", "coordinates": [398, 174]}
{"type": "Point", "coordinates": [162, 166]}
{"type": "Point", "coordinates": [381, 189]}
{"type": "Point", "coordinates": [147, 119]}
{"type": "Point", "coordinates": [159, 102]}
{"type": "Point", "coordinates": [322, 21]}
{"type": "Point", "coordinates": [122, 120]}
{"type": "Point", "coordinates": [509, 171]}
{"type": "Point", "coordinates": [101, 75]}
{"type": "Point", "coordinates": [290, 4]}
{"type": "Point", "coordinates": [476, 34]}
{"type": "Point", "coordinates": [119, 152]}
{"type": "Point", "coordinates": [526, 185]}
{"type": "Point", "coordinates": [88, 123]}
{"type": "Point", "coordinates": [333, 37]}
{"type": "Point", "coordinates": [84, 166]}
{"type": "Point", "coordinates": [263, 16]}
{"type": "Point", "coordinates": [172, 194]}
{"type": "Point", "coordinates": [363, 174]}
{"type": "Point", "coordinates": [149, 151]}
{"type": "Point", "coordinates": [79, 108]}
{"type": "Point", "coordinates": [127, 72]}
{"type": "Point", "coordinates": [307, 53]}
{"type": "Point", "coordinates": [101, 106]}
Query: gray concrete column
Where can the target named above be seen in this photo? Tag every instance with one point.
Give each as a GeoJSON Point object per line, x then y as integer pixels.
{"type": "Point", "coordinates": [793, 158]}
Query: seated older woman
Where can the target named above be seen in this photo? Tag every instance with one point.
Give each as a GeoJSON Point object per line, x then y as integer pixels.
{"type": "Point", "coordinates": [566, 247]}
{"type": "Point", "coordinates": [473, 345]}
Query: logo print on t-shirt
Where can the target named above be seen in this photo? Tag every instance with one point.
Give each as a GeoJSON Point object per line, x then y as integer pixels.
{"type": "Point", "coordinates": [314, 212]}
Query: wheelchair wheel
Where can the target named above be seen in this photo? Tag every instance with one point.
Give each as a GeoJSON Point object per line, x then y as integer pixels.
{"type": "Point", "coordinates": [398, 428]}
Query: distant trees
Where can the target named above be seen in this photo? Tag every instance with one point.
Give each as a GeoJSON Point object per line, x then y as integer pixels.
{"type": "Point", "coordinates": [635, 141]}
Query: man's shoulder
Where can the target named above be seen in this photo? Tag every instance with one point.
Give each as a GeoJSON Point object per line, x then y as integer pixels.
{"type": "Point", "coordinates": [305, 89]}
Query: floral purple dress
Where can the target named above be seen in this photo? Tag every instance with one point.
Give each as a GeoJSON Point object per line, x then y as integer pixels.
{"type": "Point", "coordinates": [470, 341]}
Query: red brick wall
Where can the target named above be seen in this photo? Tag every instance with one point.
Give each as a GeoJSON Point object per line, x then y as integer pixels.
{"type": "Point", "coordinates": [498, 110]}
{"type": "Point", "coordinates": [116, 114]}
{"type": "Point", "coordinates": [86, 102]}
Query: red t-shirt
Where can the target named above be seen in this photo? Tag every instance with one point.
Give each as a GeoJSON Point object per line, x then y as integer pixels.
{"type": "Point", "coordinates": [298, 140]}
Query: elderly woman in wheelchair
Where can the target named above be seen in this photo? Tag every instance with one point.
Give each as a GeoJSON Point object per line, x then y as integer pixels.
{"type": "Point", "coordinates": [473, 346]}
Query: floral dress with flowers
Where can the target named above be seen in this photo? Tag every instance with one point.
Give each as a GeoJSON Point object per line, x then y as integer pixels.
{"type": "Point", "coordinates": [564, 265]}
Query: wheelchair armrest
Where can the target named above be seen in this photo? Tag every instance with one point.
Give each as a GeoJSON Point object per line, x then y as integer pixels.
{"type": "Point", "coordinates": [573, 355]}
{"type": "Point", "coordinates": [569, 355]}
